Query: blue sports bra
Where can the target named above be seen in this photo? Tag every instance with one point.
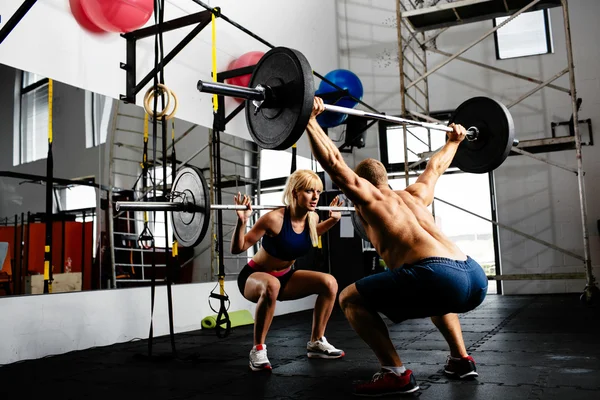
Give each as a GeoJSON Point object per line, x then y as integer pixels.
{"type": "Point", "coordinates": [288, 245]}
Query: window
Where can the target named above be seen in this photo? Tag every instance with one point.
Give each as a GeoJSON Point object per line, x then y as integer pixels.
{"type": "Point", "coordinates": [156, 220]}
{"type": "Point", "coordinates": [31, 140]}
{"type": "Point", "coordinates": [417, 143]}
{"type": "Point", "coordinates": [98, 110]}
{"type": "Point", "coordinates": [277, 164]}
{"type": "Point", "coordinates": [527, 35]}
{"type": "Point", "coordinates": [78, 197]}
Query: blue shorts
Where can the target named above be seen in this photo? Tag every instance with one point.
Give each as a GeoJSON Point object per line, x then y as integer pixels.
{"type": "Point", "coordinates": [431, 287]}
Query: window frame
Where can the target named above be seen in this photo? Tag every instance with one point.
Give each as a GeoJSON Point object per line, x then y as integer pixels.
{"type": "Point", "coordinates": [22, 92]}
{"type": "Point", "coordinates": [547, 31]}
{"type": "Point", "coordinates": [383, 142]}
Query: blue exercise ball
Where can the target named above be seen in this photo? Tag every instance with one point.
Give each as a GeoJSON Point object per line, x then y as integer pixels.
{"type": "Point", "coordinates": [346, 80]}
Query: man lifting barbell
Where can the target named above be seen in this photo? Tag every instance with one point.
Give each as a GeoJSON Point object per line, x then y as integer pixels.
{"type": "Point", "coordinates": [428, 276]}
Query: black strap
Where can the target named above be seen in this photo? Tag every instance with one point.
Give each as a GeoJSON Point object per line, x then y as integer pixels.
{"type": "Point", "coordinates": [222, 316]}
{"type": "Point", "coordinates": [293, 167]}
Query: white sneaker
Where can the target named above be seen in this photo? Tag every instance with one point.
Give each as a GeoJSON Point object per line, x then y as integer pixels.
{"type": "Point", "coordinates": [322, 349]}
{"type": "Point", "coordinates": [258, 358]}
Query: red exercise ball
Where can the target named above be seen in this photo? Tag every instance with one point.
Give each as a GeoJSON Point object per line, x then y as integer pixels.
{"type": "Point", "coordinates": [250, 58]}
{"type": "Point", "coordinates": [118, 15]}
{"type": "Point", "coordinates": [81, 17]}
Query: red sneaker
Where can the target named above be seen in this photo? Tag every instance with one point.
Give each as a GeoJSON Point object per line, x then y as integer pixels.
{"type": "Point", "coordinates": [385, 383]}
{"type": "Point", "coordinates": [463, 368]}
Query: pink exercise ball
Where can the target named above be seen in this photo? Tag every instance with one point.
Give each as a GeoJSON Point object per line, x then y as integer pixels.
{"type": "Point", "coordinates": [120, 16]}
{"type": "Point", "coordinates": [246, 60]}
{"type": "Point", "coordinates": [82, 18]}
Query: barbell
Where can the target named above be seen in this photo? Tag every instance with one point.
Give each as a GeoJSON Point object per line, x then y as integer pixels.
{"type": "Point", "coordinates": [190, 203]}
{"type": "Point", "coordinates": [279, 102]}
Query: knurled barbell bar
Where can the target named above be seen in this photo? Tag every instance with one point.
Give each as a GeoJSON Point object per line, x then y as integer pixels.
{"type": "Point", "coordinates": [279, 103]}
{"type": "Point", "coordinates": [189, 207]}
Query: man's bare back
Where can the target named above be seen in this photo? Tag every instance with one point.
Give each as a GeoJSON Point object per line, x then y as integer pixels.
{"type": "Point", "coordinates": [403, 230]}
{"type": "Point", "coordinates": [437, 280]}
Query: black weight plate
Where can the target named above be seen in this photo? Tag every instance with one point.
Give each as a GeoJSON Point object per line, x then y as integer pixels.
{"type": "Point", "coordinates": [358, 226]}
{"type": "Point", "coordinates": [289, 73]}
{"type": "Point", "coordinates": [190, 228]}
{"type": "Point", "coordinates": [496, 135]}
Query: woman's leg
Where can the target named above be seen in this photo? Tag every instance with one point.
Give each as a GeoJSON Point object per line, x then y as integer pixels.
{"type": "Point", "coordinates": [305, 283]}
{"type": "Point", "coordinates": [262, 289]}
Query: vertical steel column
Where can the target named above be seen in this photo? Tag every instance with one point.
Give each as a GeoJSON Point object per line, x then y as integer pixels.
{"type": "Point", "coordinates": [402, 87]}
{"type": "Point", "coordinates": [590, 280]}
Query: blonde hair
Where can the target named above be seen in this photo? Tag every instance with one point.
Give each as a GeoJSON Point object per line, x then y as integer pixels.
{"type": "Point", "coordinates": [300, 180]}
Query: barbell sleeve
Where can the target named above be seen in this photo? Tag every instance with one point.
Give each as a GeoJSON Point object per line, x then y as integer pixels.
{"type": "Point", "coordinates": [148, 206]}
{"type": "Point", "coordinates": [183, 206]}
{"type": "Point", "coordinates": [231, 90]}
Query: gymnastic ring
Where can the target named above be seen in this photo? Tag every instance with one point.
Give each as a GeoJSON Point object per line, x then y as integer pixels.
{"type": "Point", "coordinates": [175, 105]}
{"type": "Point", "coordinates": [150, 95]}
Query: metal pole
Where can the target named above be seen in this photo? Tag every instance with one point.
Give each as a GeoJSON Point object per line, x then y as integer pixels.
{"type": "Point", "coordinates": [176, 206]}
{"type": "Point", "coordinates": [538, 87]}
{"type": "Point", "coordinates": [402, 84]}
{"type": "Point", "coordinates": [496, 69]}
{"type": "Point", "coordinates": [590, 280]}
{"type": "Point", "coordinates": [513, 230]}
{"type": "Point", "coordinates": [461, 51]}
{"type": "Point", "coordinates": [383, 117]}
{"type": "Point", "coordinates": [230, 90]}
{"type": "Point", "coordinates": [15, 19]}
{"type": "Point", "coordinates": [543, 159]}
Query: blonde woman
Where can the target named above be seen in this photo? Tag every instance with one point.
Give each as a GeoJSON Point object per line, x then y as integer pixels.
{"type": "Point", "coordinates": [287, 233]}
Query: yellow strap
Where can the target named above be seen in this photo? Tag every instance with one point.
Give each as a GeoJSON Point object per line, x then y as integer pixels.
{"type": "Point", "coordinates": [175, 249]}
{"type": "Point", "coordinates": [214, 60]}
{"type": "Point", "coordinates": [46, 270]}
{"type": "Point", "coordinates": [320, 245]}
{"type": "Point", "coordinates": [145, 127]}
{"type": "Point", "coordinates": [173, 129]}
{"type": "Point", "coordinates": [50, 95]}
{"type": "Point", "coordinates": [222, 284]}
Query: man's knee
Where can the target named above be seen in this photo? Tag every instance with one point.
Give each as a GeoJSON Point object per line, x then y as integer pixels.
{"type": "Point", "coordinates": [349, 296]}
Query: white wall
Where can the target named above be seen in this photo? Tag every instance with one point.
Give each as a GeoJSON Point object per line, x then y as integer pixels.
{"type": "Point", "coordinates": [48, 41]}
{"type": "Point", "coordinates": [42, 325]}
{"type": "Point", "coordinates": [534, 197]}
{"type": "Point", "coordinates": [65, 52]}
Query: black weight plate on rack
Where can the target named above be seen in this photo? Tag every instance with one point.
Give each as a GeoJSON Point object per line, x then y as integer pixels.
{"type": "Point", "coordinates": [279, 126]}
{"type": "Point", "coordinates": [189, 227]}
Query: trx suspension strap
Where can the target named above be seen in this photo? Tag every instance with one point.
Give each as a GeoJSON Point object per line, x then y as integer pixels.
{"type": "Point", "coordinates": [218, 114]}
{"type": "Point", "coordinates": [175, 251]}
{"type": "Point", "coordinates": [294, 150]}
{"type": "Point", "coordinates": [49, 198]}
{"type": "Point", "coordinates": [158, 65]}
{"type": "Point", "coordinates": [146, 238]}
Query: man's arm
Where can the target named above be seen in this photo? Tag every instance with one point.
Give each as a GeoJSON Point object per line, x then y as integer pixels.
{"type": "Point", "coordinates": [423, 188]}
{"type": "Point", "coordinates": [357, 189]}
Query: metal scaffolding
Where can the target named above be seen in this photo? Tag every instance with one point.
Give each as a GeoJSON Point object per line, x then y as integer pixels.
{"type": "Point", "coordinates": [416, 18]}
